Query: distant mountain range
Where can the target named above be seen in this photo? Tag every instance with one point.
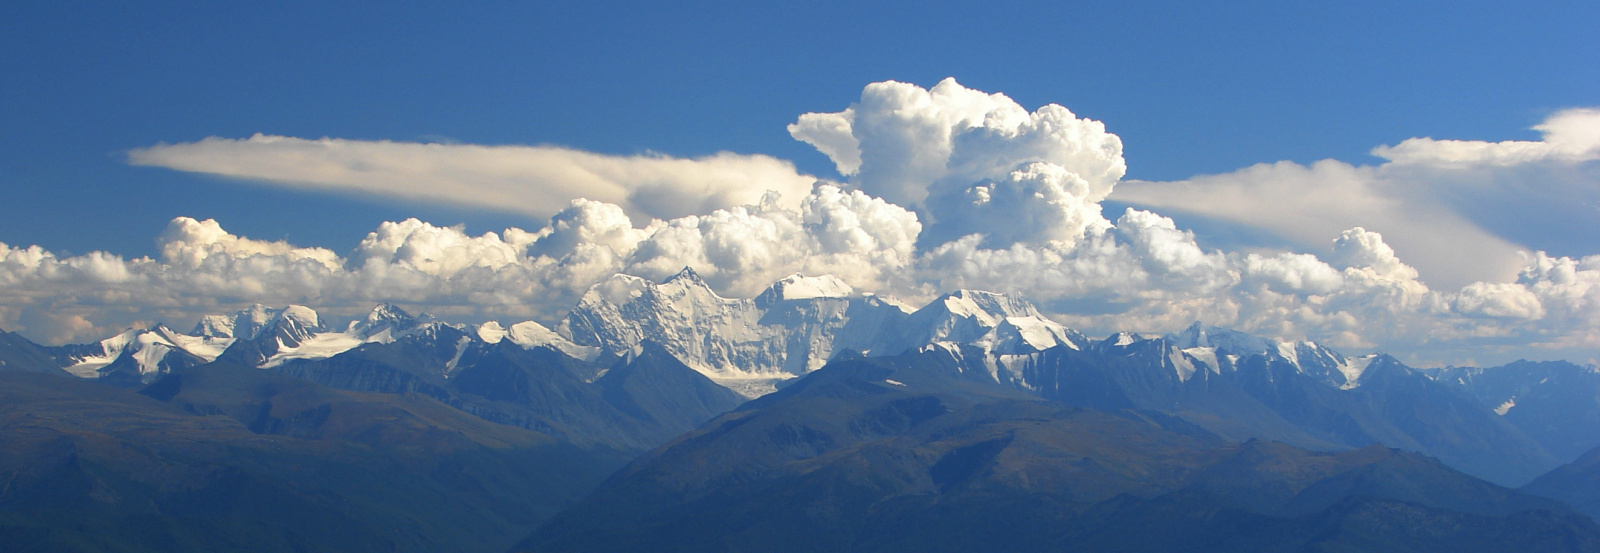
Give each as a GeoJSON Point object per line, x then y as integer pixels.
{"type": "Point", "coordinates": [904, 453]}
{"type": "Point", "coordinates": [637, 364]}
{"type": "Point", "coordinates": [1506, 424]}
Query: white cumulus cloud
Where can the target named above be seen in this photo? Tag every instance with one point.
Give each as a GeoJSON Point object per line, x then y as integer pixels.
{"type": "Point", "coordinates": [948, 188]}
{"type": "Point", "coordinates": [964, 157]}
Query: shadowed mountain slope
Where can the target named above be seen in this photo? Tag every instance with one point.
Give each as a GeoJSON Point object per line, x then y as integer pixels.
{"type": "Point", "coordinates": [1577, 483]}
{"type": "Point", "coordinates": [630, 403]}
{"type": "Point", "coordinates": [1554, 402]}
{"type": "Point", "coordinates": [910, 454]}
{"type": "Point", "coordinates": [243, 459]}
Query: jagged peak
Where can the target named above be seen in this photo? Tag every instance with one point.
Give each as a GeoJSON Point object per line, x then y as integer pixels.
{"type": "Point", "coordinates": [252, 321]}
{"type": "Point", "coordinates": [387, 318]}
{"type": "Point", "coordinates": [387, 311]}
{"type": "Point", "coordinates": [687, 283]}
{"type": "Point", "coordinates": [390, 312]}
{"type": "Point", "coordinates": [1195, 336]}
{"type": "Point", "coordinates": [686, 275]}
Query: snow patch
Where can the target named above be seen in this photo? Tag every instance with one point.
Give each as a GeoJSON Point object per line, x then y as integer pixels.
{"type": "Point", "coordinates": [798, 287]}
{"type": "Point", "coordinates": [1182, 364]}
{"type": "Point", "coordinates": [462, 344]}
{"type": "Point", "coordinates": [1039, 333]}
{"type": "Point", "coordinates": [1207, 356]}
{"type": "Point", "coordinates": [530, 334]}
{"type": "Point", "coordinates": [1353, 369]}
{"type": "Point", "coordinates": [147, 349]}
{"type": "Point", "coordinates": [1291, 354]}
{"type": "Point", "coordinates": [318, 346]}
{"type": "Point", "coordinates": [1504, 407]}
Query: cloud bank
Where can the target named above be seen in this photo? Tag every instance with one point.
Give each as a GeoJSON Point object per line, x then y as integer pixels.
{"type": "Point", "coordinates": [1461, 211]}
{"type": "Point", "coordinates": [947, 188]}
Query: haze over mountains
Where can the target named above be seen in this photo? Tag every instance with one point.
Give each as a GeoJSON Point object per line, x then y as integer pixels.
{"type": "Point", "coordinates": [1495, 423]}
{"type": "Point", "coordinates": [637, 364]}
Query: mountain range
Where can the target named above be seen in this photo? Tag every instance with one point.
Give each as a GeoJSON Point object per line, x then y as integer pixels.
{"type": "Point", "coordinates": [638, 364]}
{"type": "Point", "coordinates": [903, 453]}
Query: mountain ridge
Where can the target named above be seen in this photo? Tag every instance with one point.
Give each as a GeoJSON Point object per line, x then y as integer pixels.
{"type": "Point", "coordinates": [1235, 384]}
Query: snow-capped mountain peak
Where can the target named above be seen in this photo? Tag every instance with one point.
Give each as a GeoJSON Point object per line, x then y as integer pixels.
{"type": "Point", "coordinates": [1306, 357]}
{"type": "Point", "coordinates": [1004, 323]}
{"type": "Point", "coordinates": [254, 321]}
{"type": "Point", "coordinates": [145, 350]}
{"type": "Point", "coordinates": [1035, 332]}
{"type": "Point", "coordinates": [793, 327]}
{"type": "Point", "coordinates": [490, 332]}
{"type": "Point", "coordinates": [1223, 339]}
{"type": "Point", "coordinates": [686, 275]}
{"type": "Point", "coordinates": [800, 287]}
{"type": "Point", "coordinates": [386, 322]}
{"type": "Point", "coordinates": [215, 326]}
{"type": "Point", "coordinates": [530, 334]}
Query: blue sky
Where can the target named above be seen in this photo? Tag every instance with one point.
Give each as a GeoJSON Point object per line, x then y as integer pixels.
{"type": "Point", "coordinates": [1191, 89]}
{"type": "Point", "coordinates": [1196, 94]}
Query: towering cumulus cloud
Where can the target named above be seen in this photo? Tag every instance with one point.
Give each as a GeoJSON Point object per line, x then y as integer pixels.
{"type": "Point", "coordinates": [945, 188]}
{"type": "Point", "coordinates": [972, 162]}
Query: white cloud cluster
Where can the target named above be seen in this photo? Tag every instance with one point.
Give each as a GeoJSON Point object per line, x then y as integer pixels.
{"type": "Point", "coordinates": [536, 180]}
{"type": "Point", "coordinates": [512, 274]}
{"type": "Point", "coordinates": [1144, 274]}
{"type": "Point", "coordinates": [1461, 211]}
{"type": "Point", "coordinates": [863, 240]}
{"type": "Point", "coordinates": [971, 161]}
{"type": "Point", "coordinates": [948, 188]}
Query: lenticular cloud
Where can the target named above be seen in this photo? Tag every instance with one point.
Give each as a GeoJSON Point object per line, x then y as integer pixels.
{"type": "Point", "coordinates": [535, 180]}
{"type": "Point", "coordinates": [946, 188]}
{"type": "Point", "coordinates": [1459, 210]}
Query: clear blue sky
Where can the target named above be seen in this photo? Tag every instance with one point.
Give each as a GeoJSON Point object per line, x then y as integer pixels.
{"type": "Point", "coordinates": [1191, 88]}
